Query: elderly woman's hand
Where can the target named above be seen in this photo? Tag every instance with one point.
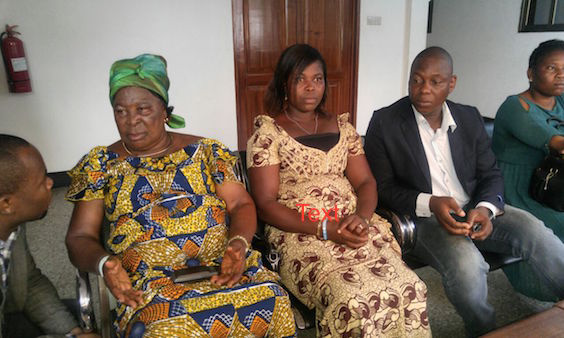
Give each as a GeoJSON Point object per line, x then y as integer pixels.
{"type": "Point", "coordinates": [118, 282]}
{"type": "Point", "coordinates": [233, 264]}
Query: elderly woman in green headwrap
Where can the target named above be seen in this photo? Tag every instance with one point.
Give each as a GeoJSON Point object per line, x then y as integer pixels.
{"type": "Point", "coordinates": [172, 201]}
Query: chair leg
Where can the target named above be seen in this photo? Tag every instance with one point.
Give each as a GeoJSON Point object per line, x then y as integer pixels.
{"type": "Point", "coordinates": [105, 321]}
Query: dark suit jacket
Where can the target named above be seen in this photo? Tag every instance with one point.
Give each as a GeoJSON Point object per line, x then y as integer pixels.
{"type": "Point", "coordinates": [396, 156]}
{"type": "Point", "coordinates": [30, 292]}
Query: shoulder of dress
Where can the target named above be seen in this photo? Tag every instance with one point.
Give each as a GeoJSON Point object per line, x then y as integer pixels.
{"type": "Point", "coordinates": [263, 120]}
{"type": "Point", "coordinates": [343, 117]}
{"type": "Point", "coordinates": [214, 145]}
{"type": "Point", "coordinates": [344, 123]}
{"type": "Point", "coordinates": [99, 153]}
{"type": "Point", "coordinates": [210, 141]}
{"type": "Point", "coordinates": [99, 150]}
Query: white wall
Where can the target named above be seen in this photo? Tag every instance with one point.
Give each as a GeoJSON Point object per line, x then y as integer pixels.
{"type": "Point", "coordinates": [386, 51]}
{"type": "Point", "coordinates": [71, 44]}
{"type": "Point", "coordinates": [490, 56]}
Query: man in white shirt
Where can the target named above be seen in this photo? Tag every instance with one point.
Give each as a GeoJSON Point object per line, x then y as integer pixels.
{"type": "Point", "coordinates": [432, 160]}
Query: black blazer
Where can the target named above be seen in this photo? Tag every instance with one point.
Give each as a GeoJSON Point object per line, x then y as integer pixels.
{"type": "Point", "coordinates": [396, 156]}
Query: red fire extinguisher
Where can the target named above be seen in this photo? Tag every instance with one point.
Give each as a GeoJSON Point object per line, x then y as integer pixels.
{"type": "Point", "coordinates": [15, 62]}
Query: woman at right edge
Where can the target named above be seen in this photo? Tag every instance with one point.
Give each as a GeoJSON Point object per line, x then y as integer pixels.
{"type": "Point", "coordinates": [303, 162]}
{"type": "Point", "coordinates": [522, 137]}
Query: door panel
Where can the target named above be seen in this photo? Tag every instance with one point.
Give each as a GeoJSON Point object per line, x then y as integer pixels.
{"type": "Point", "coordinates": [264, 28]}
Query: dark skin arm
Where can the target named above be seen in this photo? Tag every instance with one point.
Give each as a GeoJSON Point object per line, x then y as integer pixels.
{"type": "Point", "coordinates": [359, 175]}
{"type": "Point", "coordinates": [242, 214]}
{"type": "Point", "coordinates": [265, 184]}
{"type": "Point", "coordinates": [443, 207]}
{"type": "Point", "coordinates": [557, 143]}
{"type": "Point", "coordinates": [85, 251]}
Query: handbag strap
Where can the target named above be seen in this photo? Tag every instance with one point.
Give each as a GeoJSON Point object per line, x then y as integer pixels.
{"type": "Point", "coordinates": [559, 122]}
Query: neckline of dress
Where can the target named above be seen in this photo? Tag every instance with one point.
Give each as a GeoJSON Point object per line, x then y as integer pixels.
{"type": "Point", "coordinates": [547, 111]}
{"type": "Point", "coordinates": [199, 141]}
{"type": "Point", "coordinates": [308, 147]}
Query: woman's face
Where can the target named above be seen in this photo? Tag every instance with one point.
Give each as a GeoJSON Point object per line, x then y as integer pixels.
{"type": "Point", "coordinates": [307, 88]}
{"type": "Point", "coordinates": [548, 77]}
{"type": "Point", "coordinates": [139, 116]}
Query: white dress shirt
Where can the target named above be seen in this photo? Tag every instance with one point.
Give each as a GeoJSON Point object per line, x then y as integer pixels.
{"type": "Point", "coordinates": [444, 181]}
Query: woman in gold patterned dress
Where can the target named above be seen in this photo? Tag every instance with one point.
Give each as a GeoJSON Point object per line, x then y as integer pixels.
{"type": "Point", "coordinates": [305, 164]}
{"type": "Point", "coordinates": [172, 201]}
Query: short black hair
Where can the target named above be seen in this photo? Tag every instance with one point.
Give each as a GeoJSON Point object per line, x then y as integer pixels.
{"type": "Point", "coordinates": [293, 60]}
{"type": "Point", "coordinates": [433, 51]}
{"type": "Point", "coordinates": [12, 171]}
{"type": "Point", "coordinates": [543, 49]}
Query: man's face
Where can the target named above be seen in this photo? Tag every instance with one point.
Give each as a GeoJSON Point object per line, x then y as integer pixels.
{"type": "Point", "coordinates": [430, 83]}
{"type": "Point", "coordinates": [32, 199]}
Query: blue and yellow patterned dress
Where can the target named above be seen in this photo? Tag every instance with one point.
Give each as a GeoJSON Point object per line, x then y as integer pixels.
{"type": "Point", "coordinates": [164, 215]}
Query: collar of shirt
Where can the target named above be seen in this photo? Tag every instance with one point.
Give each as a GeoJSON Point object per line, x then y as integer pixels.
{"type": "Point", "coordinates": [5, 251]}
{"type": "Point", "coordinates": [6, 245]}
{"type": "Point", "coordinates": [447, 122]}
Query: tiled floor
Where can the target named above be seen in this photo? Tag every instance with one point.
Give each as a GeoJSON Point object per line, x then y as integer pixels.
{"type": "Point", "coordinates": [46, 239]}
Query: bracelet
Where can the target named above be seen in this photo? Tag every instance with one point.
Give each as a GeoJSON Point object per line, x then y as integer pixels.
{"type": "Point", "coordinates": [318, 232]}
{"type": "Point", "coordinates": [247, 246]}
{"type": "Point", "coordinates": [324, 228]}
{"type": "Point", "coordinates": [101, 263]}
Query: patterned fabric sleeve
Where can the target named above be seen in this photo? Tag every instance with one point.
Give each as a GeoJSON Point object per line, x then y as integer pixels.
{"type": "Point", "coordinates": [89, 177]}
{"type": "Point", "coordinates": [262, 147]}
{"type": "Point", "coordinates": [354, 141]}
{"type": "Point", "coordinates": [221, 162]}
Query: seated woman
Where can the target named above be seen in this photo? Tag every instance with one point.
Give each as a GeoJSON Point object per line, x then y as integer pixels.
{"type": "Point", "coordinates": [312, 184]}
{"type": "Point", "coordinates": [522, 138]}
{"type": "Point", "coordinates": [172, 201]}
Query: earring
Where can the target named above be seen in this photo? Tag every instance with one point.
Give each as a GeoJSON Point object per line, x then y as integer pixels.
{"type": "Point", "coordinates": [166, 120]}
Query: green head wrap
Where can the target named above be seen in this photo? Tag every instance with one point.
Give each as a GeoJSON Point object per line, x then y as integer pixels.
{"type": "Point", "coordinates": [146, 71]}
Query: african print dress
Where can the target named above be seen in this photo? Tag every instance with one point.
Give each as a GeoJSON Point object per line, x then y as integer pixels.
{"type": "Point", "coordinates": [165, 215]}
{"type": "Point", "coordinates": [365, 292]}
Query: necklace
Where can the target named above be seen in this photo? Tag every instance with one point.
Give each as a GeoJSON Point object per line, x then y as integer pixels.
{"type": "Point", "coordinates": [299, 126]}
{"type": "Point", "coordinates": [151, 154]}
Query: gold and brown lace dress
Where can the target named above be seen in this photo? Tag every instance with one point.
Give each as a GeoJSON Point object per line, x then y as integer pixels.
{"type": "Point", "coordinates": [356, 292]}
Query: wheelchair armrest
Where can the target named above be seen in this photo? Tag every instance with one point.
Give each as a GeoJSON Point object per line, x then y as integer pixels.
{"type": "Point", "coordinates": [403, 228]}
{"type": "Point", "coordinates": [87, 320]}
{"type": "Point", "coordinates": [270, 257]}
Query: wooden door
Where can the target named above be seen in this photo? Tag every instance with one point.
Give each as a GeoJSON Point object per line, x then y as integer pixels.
{"type": "Point", "coordinates": [262, 29]}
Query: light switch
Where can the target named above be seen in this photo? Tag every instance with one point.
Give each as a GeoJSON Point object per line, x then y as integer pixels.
{"type": "Point", "coordinates": [374, 20]}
